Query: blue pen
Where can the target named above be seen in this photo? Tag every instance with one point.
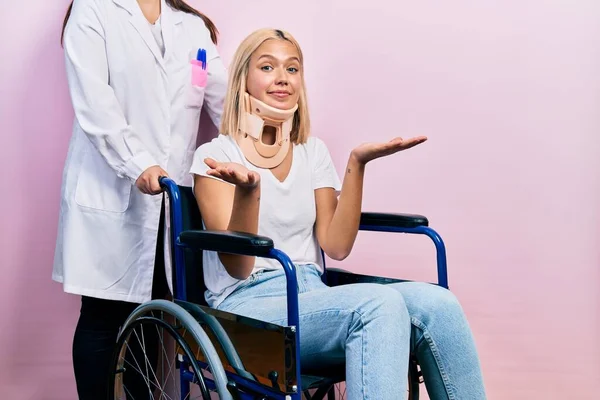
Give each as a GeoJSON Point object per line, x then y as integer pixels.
{"type": "Point", "coordinates": [201, 56]}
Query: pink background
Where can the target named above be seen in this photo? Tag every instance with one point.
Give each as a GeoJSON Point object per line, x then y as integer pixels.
{"type": "Point", "coordinates": [509, 95]}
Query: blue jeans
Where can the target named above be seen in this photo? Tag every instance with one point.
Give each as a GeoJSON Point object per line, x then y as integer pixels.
{"type": "Point", "coordinates": [369, 327]}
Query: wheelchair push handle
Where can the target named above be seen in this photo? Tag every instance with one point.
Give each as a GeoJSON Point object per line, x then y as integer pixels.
{"type": "Point", "coordinates": [165, 182]}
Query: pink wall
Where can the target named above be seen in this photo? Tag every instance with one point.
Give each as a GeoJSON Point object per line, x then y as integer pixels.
{"type": "Point", "coordinates": [509, 95]}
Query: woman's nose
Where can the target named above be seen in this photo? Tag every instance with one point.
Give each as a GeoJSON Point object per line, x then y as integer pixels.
{"type": "Point", "coordinates": [281, 78]}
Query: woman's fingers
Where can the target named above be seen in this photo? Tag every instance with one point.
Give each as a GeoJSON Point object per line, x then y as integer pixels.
{"type": "Point", "coordinates": [251, 178]}
{"type": "Point", "coordinates": [211, 163]}
{"type": "Point", "coordinates": [413, 142]}
{"type": "Point", "coordinates": [225, 173]}
{"type": "Point", "coordinates": [234, 176]}
{"type": "Point", "coordinates": [155, 183]}
{"type": "Point", "coordinates": [154, 186]}
{"type": "Point", "coordinates": [214, 173]}
{"type": "Point", "coordinates": [398, 144]}
{"type": "Point", "coordinates": [232, 173]}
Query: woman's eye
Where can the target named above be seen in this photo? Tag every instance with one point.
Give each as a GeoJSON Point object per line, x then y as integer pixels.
{"type": "Point", "coordinates": [266, 68]}
{"type": "Point", "coordinates": [293, 70]}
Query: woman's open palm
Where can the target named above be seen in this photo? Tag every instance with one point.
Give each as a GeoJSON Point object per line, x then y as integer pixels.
{"type": "Point", "coordinates": [369, 151]}
{"type": "Point", "coordinates": [233, 173]}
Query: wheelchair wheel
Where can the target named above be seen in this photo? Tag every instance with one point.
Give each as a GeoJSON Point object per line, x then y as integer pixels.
{"type": "Point", "coordinates": [153, 358]}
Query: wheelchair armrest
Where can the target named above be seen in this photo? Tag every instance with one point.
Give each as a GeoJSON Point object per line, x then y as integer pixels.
{"type": "Point", "coordinates": [227, 242]}
{"type": "Point", "coordinates": [339, 277]}
{"type": "Point", "coordinates": [393, 220]}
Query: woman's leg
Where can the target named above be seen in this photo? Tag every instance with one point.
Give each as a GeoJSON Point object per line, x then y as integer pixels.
{"type": "Point", "coordinates": [366, 326]}
{"type": "Point", "coordinates": [96, 335]}
{"type": "Point", "coordinates": [94, 344]}
{"type": "Point", "coordinates": [444, 345]}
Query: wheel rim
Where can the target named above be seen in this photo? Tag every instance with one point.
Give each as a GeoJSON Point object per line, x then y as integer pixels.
{"type": "Point", "coordinates": [138, 374]}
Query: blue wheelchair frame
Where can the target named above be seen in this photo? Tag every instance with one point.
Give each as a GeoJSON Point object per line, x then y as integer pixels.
{"type": "Point", "coordinates": [263, 247]}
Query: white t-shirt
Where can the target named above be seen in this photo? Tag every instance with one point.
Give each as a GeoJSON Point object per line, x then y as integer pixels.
{"type": "Point", "coordinates": [287, 210]}
{"type": "Point", "coordinates": [156, 28]}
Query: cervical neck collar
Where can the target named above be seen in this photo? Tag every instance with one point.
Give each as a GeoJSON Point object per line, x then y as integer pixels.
{"type": "Point", "coordinates": [259, 121]}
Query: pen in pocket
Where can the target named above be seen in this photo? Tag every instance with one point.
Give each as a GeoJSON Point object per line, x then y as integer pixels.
{"type": "Point", "coordinates": [199, 73]}
{"type": "Point", "coordinates": [201, 57]}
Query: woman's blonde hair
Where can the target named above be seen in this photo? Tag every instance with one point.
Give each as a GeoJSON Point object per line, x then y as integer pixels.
{"type": "Point", "coordinates": [238, 74]}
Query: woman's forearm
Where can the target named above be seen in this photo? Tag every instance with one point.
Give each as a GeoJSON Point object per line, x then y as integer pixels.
{"type": "Point", "coordinates": [244, 213]}
{"type": "Point", "coordinates": [344, 225]}
{"type": "Point", "coordinates": [244, 218]}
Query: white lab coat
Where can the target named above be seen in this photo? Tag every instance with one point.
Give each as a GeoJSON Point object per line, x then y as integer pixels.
{"type": "Point", "coordinates": [133, 108]}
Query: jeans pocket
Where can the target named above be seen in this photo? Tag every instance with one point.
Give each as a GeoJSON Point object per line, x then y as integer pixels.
{"type": "Point", "coordinates": [244, 285]}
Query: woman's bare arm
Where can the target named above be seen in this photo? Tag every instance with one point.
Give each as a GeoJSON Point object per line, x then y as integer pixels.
{"type": "Point", "coordinates": [230, 207]}
{"type": "Point", "coordinates": [338, 221]}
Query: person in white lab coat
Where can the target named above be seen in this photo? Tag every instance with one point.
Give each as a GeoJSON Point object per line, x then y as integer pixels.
{"type": "Point", "coordinates": [137, 91]}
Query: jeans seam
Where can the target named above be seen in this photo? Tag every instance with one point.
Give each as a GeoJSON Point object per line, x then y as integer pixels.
{"type": "Point", "coordinates": [363, 337]}
{"type": "Point", "coordinates": [436, 355]}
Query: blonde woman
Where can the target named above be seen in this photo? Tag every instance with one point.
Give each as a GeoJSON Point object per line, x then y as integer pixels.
{"type": "Point", "coordinates": [265, 174]}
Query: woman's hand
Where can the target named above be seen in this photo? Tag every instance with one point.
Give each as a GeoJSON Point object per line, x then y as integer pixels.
{"type": "Point", "coordinates": [233, 173]}
{"type": "Point", "coordinates": [148, 183]}
{"type": "Point", "coordinates": [369, 151]}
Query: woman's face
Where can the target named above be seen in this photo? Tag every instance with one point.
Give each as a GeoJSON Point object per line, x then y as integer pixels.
{"type": "Point", "coordinates": [274, 74]}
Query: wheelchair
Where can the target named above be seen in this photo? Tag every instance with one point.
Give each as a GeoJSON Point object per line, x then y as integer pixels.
{"type": "Point", "coordinates": [207, 353]}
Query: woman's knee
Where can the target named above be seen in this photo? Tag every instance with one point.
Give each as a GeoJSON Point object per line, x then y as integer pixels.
{"type": "Point", "coordinates": [430, 304]}
{"type": "Point", "coordinates": [378, 301]}
{"type": "Point", "coordinates": [443, 299]}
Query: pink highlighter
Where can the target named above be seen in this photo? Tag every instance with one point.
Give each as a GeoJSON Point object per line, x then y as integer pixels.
{"type": "Point", "coordinates": [199, 73]}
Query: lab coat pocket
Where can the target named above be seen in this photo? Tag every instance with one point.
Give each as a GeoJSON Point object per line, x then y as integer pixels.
{"type": "Point", "coordinates": [99, 187]}
{"type": "Point", "coordinates": [199, 78]}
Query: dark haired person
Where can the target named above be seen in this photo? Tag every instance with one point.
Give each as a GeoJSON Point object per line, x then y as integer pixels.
{"type": "Point", "coordinates": [139, 74]}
